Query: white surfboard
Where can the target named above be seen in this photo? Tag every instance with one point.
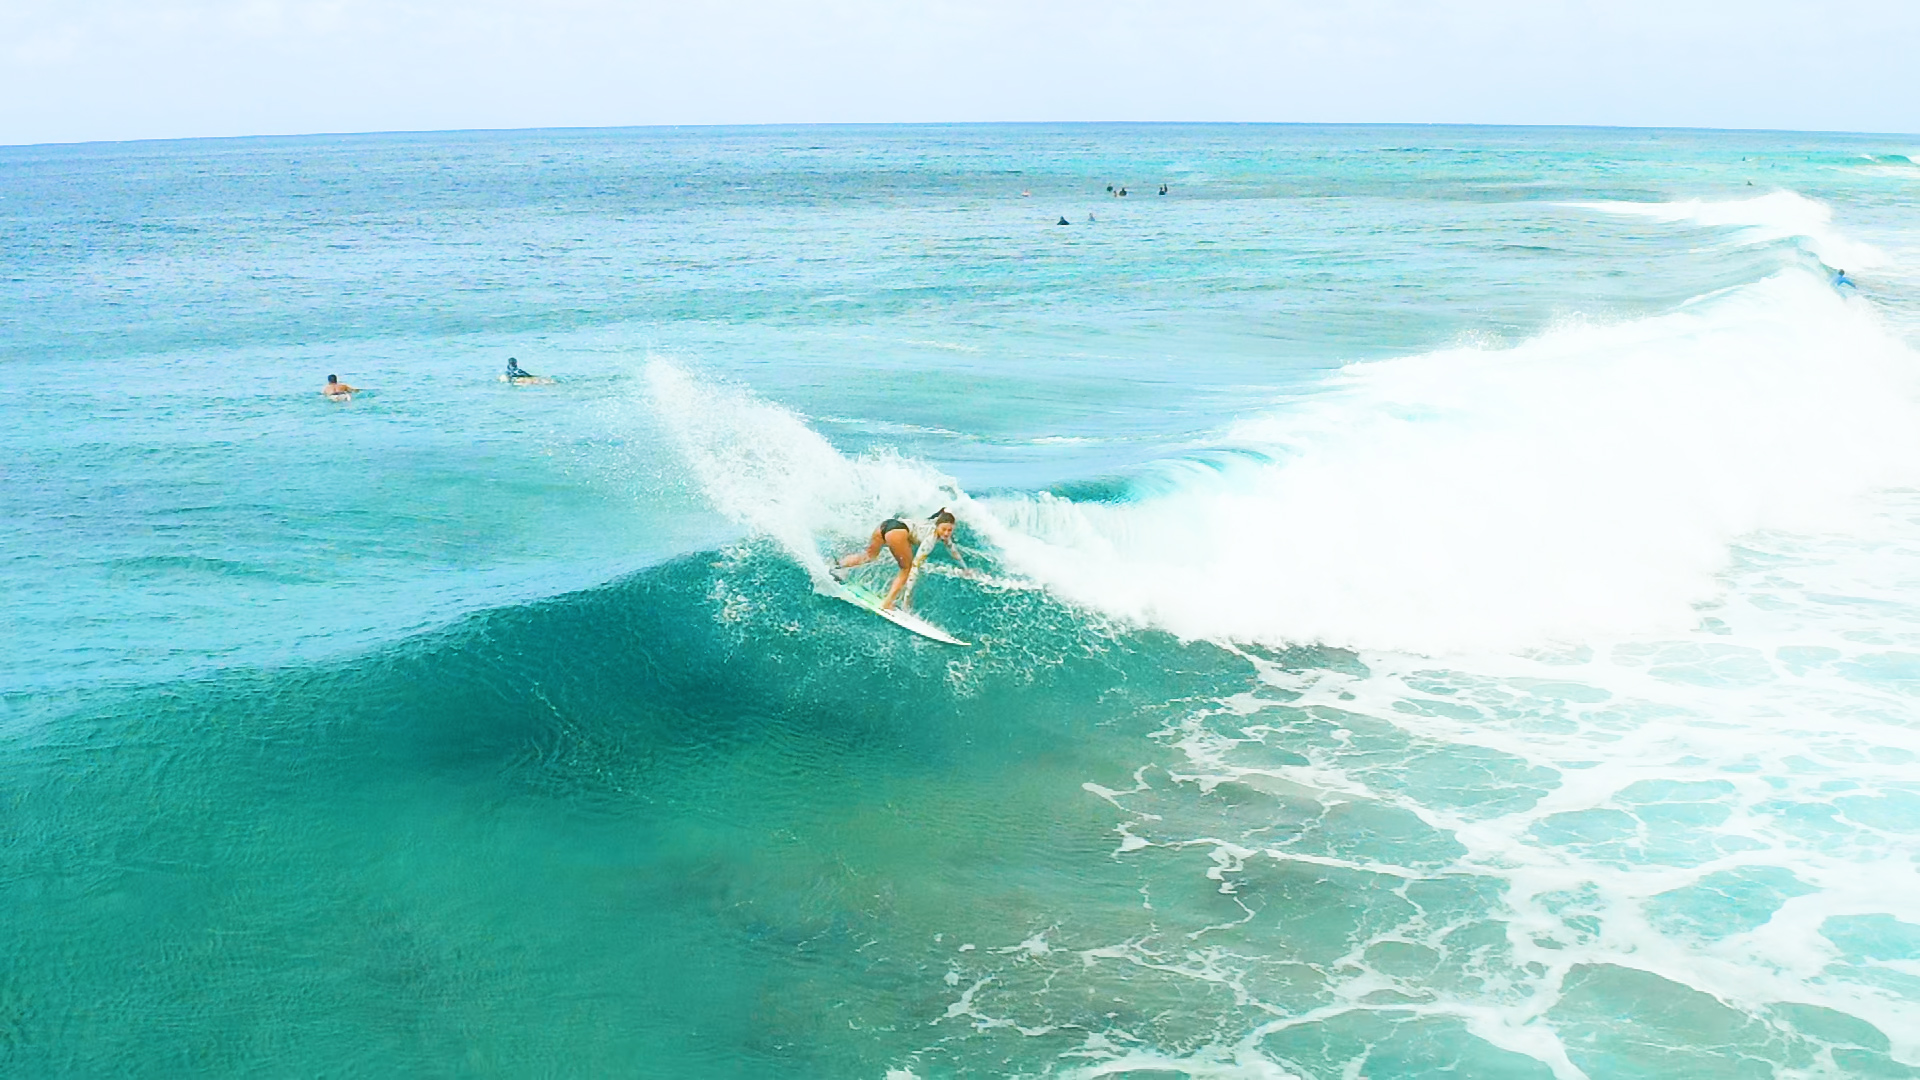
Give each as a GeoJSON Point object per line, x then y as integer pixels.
{"type": "Point", "coordinates": [862, 597]}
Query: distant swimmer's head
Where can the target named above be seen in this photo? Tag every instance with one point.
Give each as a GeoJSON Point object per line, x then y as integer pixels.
{"type": "Point", "coordinates": [333, 380]}
{"type": "Point", "coordinates": [942, 523]}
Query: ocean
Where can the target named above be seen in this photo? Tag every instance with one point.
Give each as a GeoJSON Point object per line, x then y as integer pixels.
{"type": "Point", "coordinates": [1446, 603]}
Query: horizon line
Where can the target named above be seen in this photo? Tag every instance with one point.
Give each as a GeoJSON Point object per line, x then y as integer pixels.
{"type": "Point", "coordinates": [375, 133]}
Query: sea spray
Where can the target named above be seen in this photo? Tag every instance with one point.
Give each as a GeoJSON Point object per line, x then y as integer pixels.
{"type": "Point", "coordinates": [763, 467]}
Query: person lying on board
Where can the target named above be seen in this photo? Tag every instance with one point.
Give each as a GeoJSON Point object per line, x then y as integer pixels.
{"type": "Point", "coordinates": [338, 390]}
{"type": "Point", "coordinates": [910, 548]}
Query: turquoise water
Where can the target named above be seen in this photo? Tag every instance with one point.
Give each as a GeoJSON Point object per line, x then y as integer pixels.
{"type": "Point", "coordinates": [1452, 604]}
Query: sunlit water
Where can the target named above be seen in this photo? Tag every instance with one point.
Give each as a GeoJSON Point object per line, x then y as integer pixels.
{"type": "Point", "coordinates": [1452, 605]}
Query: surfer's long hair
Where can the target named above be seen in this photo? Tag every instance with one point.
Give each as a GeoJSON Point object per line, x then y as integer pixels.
{"type": "Point", "coordinates": [941, 516]}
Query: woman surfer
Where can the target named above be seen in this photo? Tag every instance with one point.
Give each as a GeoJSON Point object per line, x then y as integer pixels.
{"type": "Point", "coordinates": [902, 540]}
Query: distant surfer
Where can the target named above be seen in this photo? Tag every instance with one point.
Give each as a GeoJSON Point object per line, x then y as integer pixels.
{"type": "Point", "coordinates": [1841, 280]}
{"type": "Point", "coordinates": [1064, 221]}
{"type": "Point", "coordinates": [337, 390]}
{"type": "Point", "coordinates": [521, 377]}
{"type": "Point", "coordinates": [909, 547]}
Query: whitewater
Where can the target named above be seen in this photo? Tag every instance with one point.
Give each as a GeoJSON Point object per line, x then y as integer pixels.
{"type": "Point", "coordinates": [1448, 604]}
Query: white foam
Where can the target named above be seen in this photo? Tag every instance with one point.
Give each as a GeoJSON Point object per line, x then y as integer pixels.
{"type": "Point", "coordinates": [1583, 484]}
{"type": "Point", "coordinates": [1790, 754]}
{"type": "Point", "coordinates": [1770, 750]}
{"type": "Point", "coordinates": [1777, 215]}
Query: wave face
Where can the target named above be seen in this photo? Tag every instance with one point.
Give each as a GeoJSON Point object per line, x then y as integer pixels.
{"type": "Point", "coordinates": [1445, 605]}
{"type": "Point", "coordinates": [697, 790]}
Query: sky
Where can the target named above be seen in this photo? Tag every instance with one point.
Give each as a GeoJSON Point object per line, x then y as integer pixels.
{"type": "Point", "coordinates": [85, 70]}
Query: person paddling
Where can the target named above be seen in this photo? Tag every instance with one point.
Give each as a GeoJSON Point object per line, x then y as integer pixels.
{"type": "Point", "coordinates": [338, 390]}
{"type": "Point", "coordinates": [902, 540]}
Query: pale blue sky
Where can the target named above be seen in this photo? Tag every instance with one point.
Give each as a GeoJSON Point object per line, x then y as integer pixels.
{"type": "Point", "coordinates": [73, 70]}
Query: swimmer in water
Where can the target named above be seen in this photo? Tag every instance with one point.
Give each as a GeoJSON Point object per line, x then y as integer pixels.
{"type": "Point", "coordinates": [910, 548]}
{"type": "Point", "coordinates": [337, 390]}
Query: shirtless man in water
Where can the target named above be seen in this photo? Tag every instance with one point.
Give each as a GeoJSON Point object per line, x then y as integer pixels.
{"type": "Point", "coordinates": [338, 390]}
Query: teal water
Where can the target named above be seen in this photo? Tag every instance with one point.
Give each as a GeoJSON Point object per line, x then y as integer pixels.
{"type": "Point", "coordinates": [1451, 604]}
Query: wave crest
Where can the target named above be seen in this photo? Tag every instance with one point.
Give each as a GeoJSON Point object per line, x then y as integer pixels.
{"type": "Point", "coordinates": [1778, 215]}
{"type": "Point", "coordinates": [1584, 484]}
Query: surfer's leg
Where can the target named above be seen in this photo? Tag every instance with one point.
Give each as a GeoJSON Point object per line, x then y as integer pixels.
{"type": "Point", "coordinates": [893, 591]}
{"type": "Point", "coordinates": [900, 542]}
{"type": "Point", "coordinates": [858, 557]}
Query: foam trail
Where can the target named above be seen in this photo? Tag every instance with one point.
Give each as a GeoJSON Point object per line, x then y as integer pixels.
{"type": "Point", "coordinates": [761, 466]}
{"type": "Point", "coordinates": [1779, 215]}
{"type": "Point", "coordinates": [1584, 484]}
